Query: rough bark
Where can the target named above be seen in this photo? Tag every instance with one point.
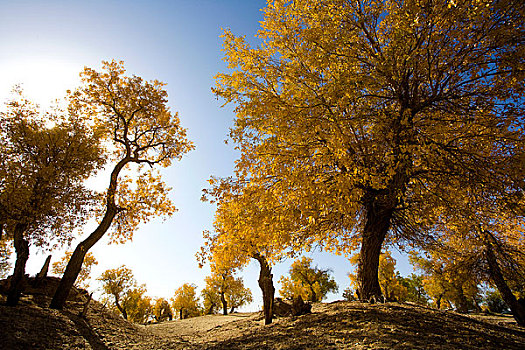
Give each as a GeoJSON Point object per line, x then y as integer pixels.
{"type": "Point", "coordinates": [517, 308]}
{"type": "Point", "coordinates": [267, 288]}
{"type": "Point", "coordinates": [378, 219]}
{"type": "Point", "coordinates": [22, 254]}
{"type": "Point", "coordinates": [77, 258]}
{"type": "Point", "coordinates": [224, 304]}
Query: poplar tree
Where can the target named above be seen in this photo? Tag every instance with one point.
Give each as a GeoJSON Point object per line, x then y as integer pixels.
{"type": "Point", "coordinates": [369, 114]}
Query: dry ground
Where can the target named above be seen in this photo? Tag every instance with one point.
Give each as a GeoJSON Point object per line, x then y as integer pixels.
{"type": "Point", "coordinates": [339, 325]}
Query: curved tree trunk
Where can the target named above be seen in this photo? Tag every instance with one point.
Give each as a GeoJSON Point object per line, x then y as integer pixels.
{"type": "Point", "coordinates": [378, 218]}
{"type": "Point", "coordinates": [121, 309]}
{"type": "Point", "coordinates": [517, 308]}
{"type": "Point", "coordinates": [22, 254]}
{"type": "Point", "coordinates": [267, 288]}
{"type": "Point", "coordinates": [77, 258]}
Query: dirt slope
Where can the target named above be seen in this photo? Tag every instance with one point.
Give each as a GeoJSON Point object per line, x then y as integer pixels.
{"type": "Point", "coordinates": [339, 325]}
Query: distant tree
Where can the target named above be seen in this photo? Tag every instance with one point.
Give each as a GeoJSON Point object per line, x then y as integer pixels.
{"type": "Point", "coordinates": [141, 132]}
{"type": "Point", "coordinates": [162, 310]}
{"type": "Point", "coordinates": [228, 289]}
{"type": "Point", "coordinates": [349, 294]}
{"type": "Point", "coordinates": [447, 280]}
{"type": "Point", "coordinates": [138, 306]}
{"type": "Point", "coordinates": [116, 284]}
{"type": "Point", "coordinates": [186, 301]}
{"type": "Point", "coordinates": [495, 302]}
{"type": "Point", "coordinates": [415, 289]}
{"type": "Point", "coordinates": [82, 281]}
{"type": "Point", "coordinates": [311, 283]}
{"type": "Point", "coordinates": [211, 300]}
{"type": "Point", "coordinates": [46, 156]}
{"type": "Point", "coordinates": [239, 295]}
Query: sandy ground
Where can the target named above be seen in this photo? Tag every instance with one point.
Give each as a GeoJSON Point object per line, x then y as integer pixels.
{"type": "Point", "coordinates": [193, 327]}
{"type": "Point", "coordinates": [338, 325]}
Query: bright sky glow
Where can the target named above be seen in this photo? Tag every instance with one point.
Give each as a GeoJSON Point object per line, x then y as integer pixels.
{"type": "Point", "coordinates": [44, 46]}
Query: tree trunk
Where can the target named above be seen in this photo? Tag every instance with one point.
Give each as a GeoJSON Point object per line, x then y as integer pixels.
{"type": "Point", "coordinates": [22, 254]}
{"type": "Point", "coordinates": [462, 302]}
{"type": "Point", "coordinates": [77, 258]}
{"type": "Point", "coordinates": [121, 309]}
{"type": "Point", "coordinates": [224, 304]}
{"type": "Point", "coordinates": [45, 268]}
{"type": "Point", "coordinates": [378, 218]}
{"type": "Point", "coordinates": [438, 302]}
{"type": "Point", "coordinates": [314, 297]}
{"type": "Point", "coordinates": [180, 314]}
{"type": "Point", "coordinates": [232, 309]}
{"type": "Point", "coordinates": [517, 309]}
{"type": "Point", "coordinates": [267, 288]}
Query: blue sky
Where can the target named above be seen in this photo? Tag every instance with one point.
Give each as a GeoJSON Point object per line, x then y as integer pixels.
{"type": "Point", "coordinates": [45, 44]}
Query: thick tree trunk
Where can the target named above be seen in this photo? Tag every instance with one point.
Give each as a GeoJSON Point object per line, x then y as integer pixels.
{"type": "Point", "coordinates": [267, 288]}
{"type": "Point", "coordinates": [77, 258]}
{"type": "Point", "coordinates": [517, 308]}
{"type": "Point", "coordinates": [22, 254]}
{"type": "Point", "coordinates": [314, 297]}
{"type": "Point", "coordinates": [224, 304]}
{"type": "Point", "coordinates": [180, 314]}
{"type": "Point", "coordinates": [378, 218]}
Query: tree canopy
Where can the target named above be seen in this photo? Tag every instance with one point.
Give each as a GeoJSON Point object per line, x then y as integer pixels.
{"type": "Point", "coordinates": [46, 156]}
{"type": "Point", "coordinates": [369, 115]}
{"type": "Point", "coordinates": [186, 301]}
{"type": "Point", "coordinates": [307, 281]}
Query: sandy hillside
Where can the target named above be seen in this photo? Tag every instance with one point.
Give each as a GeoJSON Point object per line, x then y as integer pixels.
{"type": "Point", "coordinates": [340, 325]}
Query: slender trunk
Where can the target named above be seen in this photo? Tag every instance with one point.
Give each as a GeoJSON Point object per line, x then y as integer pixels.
{"type": "Point", "coordinates": [267, 288]}
{"type": "Point", "coordinates": [224, 304]}
{"type": "Point", "coordinates": [121, 309]}
{"type": "Point", "coordinates": [517, 309]}
{"type": "Point", "coordinates": [77, 258]}
{"type": "Point", "coordinates": [180, 314]}
{"type": "Point", "coordinates": [22, 254]}
{"type": "Point", "coordinates": [232, 309]}
{"type": "Point", "coordinates": [438, 302]}
{"type": "Point", "coordinates": [45, 268]}
{"type": "Point", "coordinates": [378, 218]}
